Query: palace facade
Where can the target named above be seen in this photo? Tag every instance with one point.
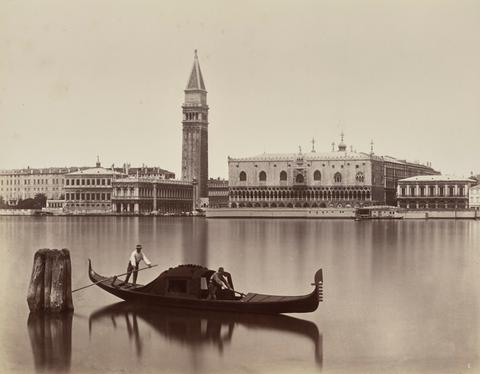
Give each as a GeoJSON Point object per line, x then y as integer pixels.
{"type": "Point", "coordinates": [433, 192]}
{"type": "Point", "coordinates": [89, 191]}
{"type": "Point", "coordinates": [24, 184]}
{"type": "Point", "coordinates": [339, 178]}
{"type": "Point", "coordinates": [145, 195]}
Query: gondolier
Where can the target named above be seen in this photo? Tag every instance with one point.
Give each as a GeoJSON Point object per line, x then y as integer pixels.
{"type": "Point", "coordinates": [217, 281]}
{"type": "Point", "coordinates": [135, 258]}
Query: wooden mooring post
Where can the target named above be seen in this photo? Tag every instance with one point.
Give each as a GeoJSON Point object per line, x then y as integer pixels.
{"type": "Point", "coordinates": [50, 288]}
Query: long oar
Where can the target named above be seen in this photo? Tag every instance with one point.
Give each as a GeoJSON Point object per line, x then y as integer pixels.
{"type": "Point", "coordinates": [114, 276]}
{"type": "Point", "coordinates": [240, 293]}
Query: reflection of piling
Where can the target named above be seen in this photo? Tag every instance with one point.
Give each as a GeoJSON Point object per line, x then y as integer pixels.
{"type": "Point", "coordinates": [50, 287]}
{"type": "Point", "coordinates": [51, 339]}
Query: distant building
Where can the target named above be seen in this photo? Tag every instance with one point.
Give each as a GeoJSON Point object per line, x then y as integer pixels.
{"type": "Point", "coordinates": [474, 197]}
{"type": "Point", "coordinates": [394, 170]}
{"type": "Point", "coordinates": [195, 134]}
{"type": "Point", "coordinates": [339, 178]}
{"type": "Point", "coordinates": [145, 195]}
{"type": "Point", "coordinates": [433, 192]}
{"type": "Point", "coordinates": [218, 193]}
{"type": "Point", "coordinates": [144, 171]}
{"type": "Point", "coordinates": [90, 190]}
{"type": "Point", "coordinates": [26, 183]}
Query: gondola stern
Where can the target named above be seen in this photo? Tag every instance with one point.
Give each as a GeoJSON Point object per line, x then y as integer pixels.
{"type": "Point", "coordinates": [318, 283]}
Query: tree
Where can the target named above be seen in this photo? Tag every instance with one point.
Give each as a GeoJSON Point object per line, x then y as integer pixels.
{"type": "Point", "coordinates": [40, 201]}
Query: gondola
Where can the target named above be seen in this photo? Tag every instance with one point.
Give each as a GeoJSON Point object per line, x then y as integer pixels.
{"type": "Point", "coordinates": [186, 286]}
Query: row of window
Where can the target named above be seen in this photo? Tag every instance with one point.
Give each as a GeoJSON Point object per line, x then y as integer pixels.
{"type": "Point", "coordinates": [87, 196]}
{"type": "Point", "coordinates": [317, 176]}
{"type": "Point", "coordinates": [29, 181]}
{"type": "Point", "coordinates": [442, 191]}
{"type": "Point", "coordinates": [89, 182]}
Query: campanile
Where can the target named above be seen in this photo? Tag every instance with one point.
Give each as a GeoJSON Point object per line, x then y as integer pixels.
{"type": "Point", "coordinates": [195, 133]}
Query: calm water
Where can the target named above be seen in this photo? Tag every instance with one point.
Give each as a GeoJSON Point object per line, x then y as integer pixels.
{"type": "Point", "coordinates": [399, 297]}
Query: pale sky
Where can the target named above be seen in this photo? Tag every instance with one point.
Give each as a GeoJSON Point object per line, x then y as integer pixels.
{"type": "Point", "coordinates": [82, 78]}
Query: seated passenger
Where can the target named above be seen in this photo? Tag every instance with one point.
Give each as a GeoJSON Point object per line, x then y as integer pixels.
{"type": "Point", "coordinates": [217, 281]}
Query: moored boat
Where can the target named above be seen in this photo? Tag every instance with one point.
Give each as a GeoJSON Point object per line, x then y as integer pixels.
{"type": "Point", "coordinates": [186, 286]}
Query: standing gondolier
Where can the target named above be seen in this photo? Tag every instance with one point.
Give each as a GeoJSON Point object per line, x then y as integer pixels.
{"type": "Point", "coordinates": [135, 258]}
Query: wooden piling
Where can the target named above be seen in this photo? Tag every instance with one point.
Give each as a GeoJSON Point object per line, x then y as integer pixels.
{"type": "Point", "coordinates": [50, 287]}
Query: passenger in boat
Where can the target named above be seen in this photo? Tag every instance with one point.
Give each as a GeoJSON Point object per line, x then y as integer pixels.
{"type": "Point", "coordinates": [135, 258]}
{"type": "Point", "coordinates": [217, 281]}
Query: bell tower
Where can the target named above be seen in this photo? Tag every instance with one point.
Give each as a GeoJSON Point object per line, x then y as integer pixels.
{"type": "Point", "coordinates": [195, 134]}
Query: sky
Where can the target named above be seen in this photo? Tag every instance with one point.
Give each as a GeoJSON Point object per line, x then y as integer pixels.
{"type": "Point", "coordinates": [85, 78]}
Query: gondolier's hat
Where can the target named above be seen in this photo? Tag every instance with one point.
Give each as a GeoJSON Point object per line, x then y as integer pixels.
{"type": "Point", "coordinates": [220, 270]}
{"type": "Point", "coordinates": [139, 246]}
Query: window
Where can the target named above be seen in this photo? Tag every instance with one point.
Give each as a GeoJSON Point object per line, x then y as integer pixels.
{"type": "Point", "coordinates": [337, 177]}
{"type": "Point", "coordinates": [177, 286]}
{"type": "Point", "coordinates": [243, 176]}
{"type": "Point", "coordinates": [317, 175]}
{"type": "Point", "coordinates": [283, 175]}
{"type": "Point", "coordinates": [299, 178]}
{"type": "Point", "coordinates": [68, 182]}
{"type": "Point", "coordinates": [78, 182]}
{"type": "Point", "coordinates": [103, 182]}
{"type": "Point", "coordinates": [262, 176]}
{"type": "Point", "coordinates": [403, 191]}
{"type": "Point", "coordinates": [88, 182]}
{"type": "Point", "coordinates": [360, 177]}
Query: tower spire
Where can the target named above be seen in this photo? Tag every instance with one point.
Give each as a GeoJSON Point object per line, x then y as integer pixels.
{"type": "Point", "coordinates": [313, 144]}
{"type": "Point", "coordinates": [195, 82]}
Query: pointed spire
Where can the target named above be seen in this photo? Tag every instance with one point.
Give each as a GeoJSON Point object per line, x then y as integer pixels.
{"type": "Point", "coordinates": [342, 146]}
{"type": "Point", "coordinates": [313, 144]}
{"type": "Point", "coordinates": [195, 82]}
{"type": "Point", "coordinates": [371, 147]}
{"type": "Point", "coordinates": [98, 162]}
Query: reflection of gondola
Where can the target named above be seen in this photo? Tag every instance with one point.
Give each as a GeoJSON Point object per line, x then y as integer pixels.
{"type": "Point", "coordinates": [185, 286]}
{"type": "Point", "coordinates": [202, 327]}
{"type": "Point", "coordinates": [51, 339]}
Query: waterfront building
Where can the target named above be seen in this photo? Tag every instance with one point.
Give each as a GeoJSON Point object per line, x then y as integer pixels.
{"type": "Point", "coordinates": [433, 192]}
{"type": "Point", "coordinates": [474, 197]}
{"type": "Point", "coordinates": [21, 184]}
{"type": "Point", "coordinates": [395, 169]}
{"type": "Point", "coordinates": [339, 178]}
{"type": "Point", "coordinates": [217, 193]}
{"type": "Point", "coordinates": [89, 191]}
{"type": "Point", "coordinates": [195, 134]}
{"type": "Point", "coordinates": [145, 195]}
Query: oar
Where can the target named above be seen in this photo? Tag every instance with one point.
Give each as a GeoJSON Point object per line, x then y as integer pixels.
{"type": "Point", "coordinates": [240, 293]}
{"type": "Point", "coordinates": [114, 276]}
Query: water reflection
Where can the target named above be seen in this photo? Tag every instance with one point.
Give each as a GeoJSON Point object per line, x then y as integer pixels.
{"type": "Point", "coordinates": [199, 328]}
{"type": "Point", "coordinates": [51, 341]}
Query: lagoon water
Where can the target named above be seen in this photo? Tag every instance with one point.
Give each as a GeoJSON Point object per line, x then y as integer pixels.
{"type": "Point", "coordinates": [400, 296]}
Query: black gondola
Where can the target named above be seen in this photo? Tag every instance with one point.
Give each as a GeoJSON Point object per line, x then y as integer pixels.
{"type": "Point", "coordinates": [186, 286]}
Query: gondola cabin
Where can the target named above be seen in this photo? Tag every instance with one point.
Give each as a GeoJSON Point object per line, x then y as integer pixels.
{"type": "Point", "coordinates": [188, 281]}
